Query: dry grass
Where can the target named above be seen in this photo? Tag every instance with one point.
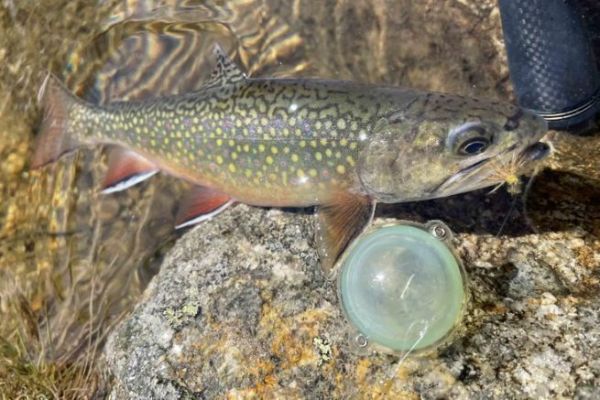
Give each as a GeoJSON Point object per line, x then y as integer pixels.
{"type": "Point", "coordinates": [36, 36]}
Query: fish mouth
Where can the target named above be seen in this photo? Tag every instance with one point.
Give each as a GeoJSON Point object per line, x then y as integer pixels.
{"type": "Point", "coordinates": [481, 174]}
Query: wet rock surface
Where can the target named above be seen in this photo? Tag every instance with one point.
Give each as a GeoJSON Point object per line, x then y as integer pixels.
{"type": "Point", "coordinates": [240, 308]}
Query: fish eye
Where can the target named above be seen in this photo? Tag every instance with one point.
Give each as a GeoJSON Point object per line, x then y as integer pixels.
{"type": "Point", "coordinates": [474, 146]}
{"type": "Point", "coordinates": [470, 138]}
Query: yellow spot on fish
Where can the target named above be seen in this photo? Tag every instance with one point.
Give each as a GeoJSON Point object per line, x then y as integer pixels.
{"type": "Point", "coordinates": [313, 143]}
{"type": "Point", "coordinates": [219, 142]}
{"type": "Point", "coordinates": [295, 157]}
{"type": "Point", "coordinates": [318, 156]}
{"type": "Point", "coordinates": [302, 143]}
{"type": "Point", "coordinates": [286, 150]}
{"type": "Point", "coordinates": [328, 152]}
{"type": "Point", "coordinates": [284, 177]}
{"type": "Point", "coordinates": [312, 172]}
{"type": "Point", "coordinates": [353, 145]}
{"type": "Point", "coordinates": [340, 169]}
{"type": "Point", "coordinates": [274, 150]}
{"type": "Point", "coordinates": [300, 173]}
{"type": "Point", "coordinates": [234, 156]}
{"type": "Point", "coordinates": [350, 161]}
{"type": "Point", "coordinates": [232, 168]}
{"type": "Point", "coordinates": [231, 142]}
{"type": "Point", "coordinates": [261, 147]}
{"type": "Point", "coordinates": [341, 124]}
{"type": "Point", "coordinates": [248, 173]}
{"type": "Point", "coordinates": [344, 142]}
{"type": "Point", "coordinates": [246, 148]}
{"type": "Point", "coordinates": [219, 160]}
{"type": "Point", "coordinates": [269, 160]}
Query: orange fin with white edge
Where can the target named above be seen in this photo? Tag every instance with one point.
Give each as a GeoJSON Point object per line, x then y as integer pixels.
{"type": "Point", "coordinates": [53, 140]}
{"type": "Point", "coordinates": [201, 204]}
{"type": "Point", "coordinates": [126, 169]}
{"type": "Point", "coordinates": [338, 223]}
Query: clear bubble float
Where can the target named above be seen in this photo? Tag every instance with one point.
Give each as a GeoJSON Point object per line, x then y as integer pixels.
{"type": "Point", "coordinates": [402, 288]}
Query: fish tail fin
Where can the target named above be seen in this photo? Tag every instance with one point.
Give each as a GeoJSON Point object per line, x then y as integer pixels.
{"type": "Point", "coordinates": [53, 140]}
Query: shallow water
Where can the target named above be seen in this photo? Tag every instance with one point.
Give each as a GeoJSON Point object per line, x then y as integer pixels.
{"type": "Point", "coordinates": [79, 259]}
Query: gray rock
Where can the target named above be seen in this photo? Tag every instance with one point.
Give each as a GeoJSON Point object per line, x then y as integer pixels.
{"type": "Point", "coordinates": [240, 308]}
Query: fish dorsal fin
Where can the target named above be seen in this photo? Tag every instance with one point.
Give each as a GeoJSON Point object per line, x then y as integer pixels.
{"type": "Point", "coordinates": [338, 223]}
{"type": "Point", "coordinates": [226, 72]}
{"type": "Point", "coordinates": [201, 203]}
{"type": "Point", "coordinates": [126, 169]}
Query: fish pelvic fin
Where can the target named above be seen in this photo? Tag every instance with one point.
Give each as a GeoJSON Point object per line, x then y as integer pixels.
{"type": "Point", "coordinates": [201, 204]}
{"type": "Point", "coordinates": [338, 223]}
{"type": "Point", "coordinates": [52, 139]}
{"type": "Point", "coordinates": [126, 169]}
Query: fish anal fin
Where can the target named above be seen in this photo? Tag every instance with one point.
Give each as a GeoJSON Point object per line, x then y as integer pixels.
{"type": "Point", "coordinates": [338, 223]}
{"type": "Point", "coordinates": [201, 204]}
{"type": "Point", "coordinates": [126, 169]}
{"type": "Point", "coordinates": [53, 140]}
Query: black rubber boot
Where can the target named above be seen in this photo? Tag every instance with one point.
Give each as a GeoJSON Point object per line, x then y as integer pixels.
{"type": "Point", "coordinates": [552, 63]}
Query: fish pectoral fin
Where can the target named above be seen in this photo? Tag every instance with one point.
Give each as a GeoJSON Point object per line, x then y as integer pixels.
{"type": "Point", "coordinates": [338, 223]}
{"type": "Point", "coordinates": [201, 204]}
{"type": "Point", "coordinates": [126, 169]}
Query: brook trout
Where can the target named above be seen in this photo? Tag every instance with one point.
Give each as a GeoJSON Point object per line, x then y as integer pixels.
{"type": "Point", "coordinates": [339, 145]}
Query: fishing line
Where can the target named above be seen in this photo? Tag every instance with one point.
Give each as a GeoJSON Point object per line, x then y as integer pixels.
{"type": "Point", "coordinates": [525, 195]}
{"type": "Point", "coordinates": [509, 212]}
